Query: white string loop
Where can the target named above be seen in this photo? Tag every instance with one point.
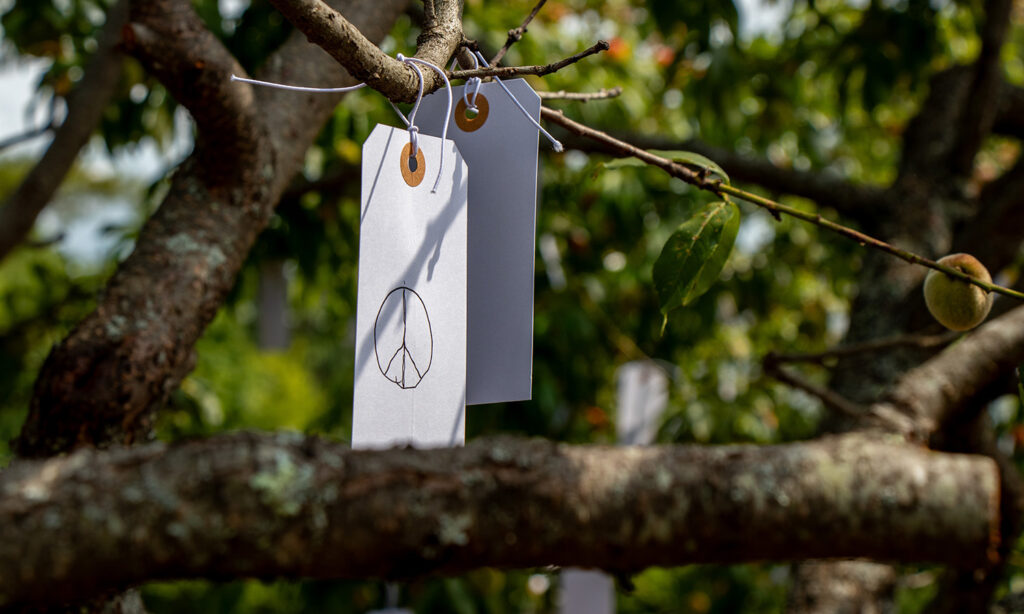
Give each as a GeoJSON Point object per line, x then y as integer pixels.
{"type": "Point", "coordinates": [555, 143]}
{"type": "Point", "coordinates": [411, 122]}
{"type": "Point", "coordinates": [414, 141]}
{"type": "Point", "coordinates": [416, 107]}
{"type": "Point", "coordinates": [472, 84]}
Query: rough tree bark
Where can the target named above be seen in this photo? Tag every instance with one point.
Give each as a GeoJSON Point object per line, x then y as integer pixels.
{"type": "Point", "coordinates": [288, 506]}
{"type": "Point", "coordinates": [262, 506]}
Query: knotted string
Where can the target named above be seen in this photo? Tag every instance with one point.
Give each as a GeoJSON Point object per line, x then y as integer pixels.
{"type": "Point", "coordinates": [473, 83]}
{"type": "Point", "coordinates": [555, 143]}
{"type": "Point", "coordinates": [410, 122]}
{"type": "Point", "coordinates": [413, 130]}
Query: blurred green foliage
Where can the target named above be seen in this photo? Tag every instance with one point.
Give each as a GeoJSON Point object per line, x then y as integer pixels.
{"type": "Point", "coordinates": [817, 90]}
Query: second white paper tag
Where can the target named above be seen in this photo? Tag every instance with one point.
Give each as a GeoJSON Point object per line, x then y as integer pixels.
{"type": "Point", "coordinates": [410, 379]}
{"type": "Point", "coordinates": [501, 147]}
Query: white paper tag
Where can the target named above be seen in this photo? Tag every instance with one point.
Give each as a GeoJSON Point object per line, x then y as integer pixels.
{"type": "Point", "coordinates": [410, 377]}
{"type": "Point", "coordinates": [586, 592]}
{"type": "Point", "coordinates": [500, 146]}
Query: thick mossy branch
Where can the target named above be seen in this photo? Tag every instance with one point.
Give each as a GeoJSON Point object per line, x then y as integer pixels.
{"type": "Point", "coordinates": [250, 505]}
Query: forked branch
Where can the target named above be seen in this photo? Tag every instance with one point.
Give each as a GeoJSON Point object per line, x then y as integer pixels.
{"type": "Point", "coordinates": [507, 72]}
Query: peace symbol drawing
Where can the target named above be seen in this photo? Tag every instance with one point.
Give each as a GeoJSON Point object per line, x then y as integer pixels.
{"type": "Point", "coordinates": [402, 338]}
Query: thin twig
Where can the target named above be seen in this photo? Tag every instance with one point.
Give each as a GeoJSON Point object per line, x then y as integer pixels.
{"type": "Point", "coordinates": [28, 135]}
{"type": "Point", "coordinates": [581, 96]}
{"type": "Point", "coordinates": [515, 34]}
{"type": "Point", "coordinates": [829, 397]}
{"type": "Point", "coordinates": [875, 345]}
{"type": "Point", "coordinates": [864, 239]}
{"type": "Point", "coordinates": [704, 181]}
{"type": "Point", "coordinates": [506, 72]}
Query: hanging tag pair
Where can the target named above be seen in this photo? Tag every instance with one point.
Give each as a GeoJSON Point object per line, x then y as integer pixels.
{"type": "Point", "coordinates": [500, 145]}
{"type": "Point", "coordinates": [503, 149]}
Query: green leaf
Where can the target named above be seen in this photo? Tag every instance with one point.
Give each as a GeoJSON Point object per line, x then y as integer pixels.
{"type": "Point", "coordinates": [695, 254]}
{"type": "Point", "coordinates": [693, 159]}
{"type": "Point", "coordinates": [680, 157]}
{"type": "Point", "coordinates": [620, 163]}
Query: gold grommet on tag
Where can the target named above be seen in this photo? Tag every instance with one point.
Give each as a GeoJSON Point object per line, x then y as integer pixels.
{"type": "Point", "coordinates": [412, 169]}
{"type": "Point", "coordinates": [469, 124]}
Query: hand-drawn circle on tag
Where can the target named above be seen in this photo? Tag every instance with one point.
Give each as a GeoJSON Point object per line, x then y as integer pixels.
{"type": "Point", "coordinates": [469, 125]}
{"type": "Point", "coordinates": [412, 176]}
{"type": "Point", "coordinates": [402, 338]}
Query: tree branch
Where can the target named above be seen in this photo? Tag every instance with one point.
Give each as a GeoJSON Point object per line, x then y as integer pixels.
{"type": "Point", "coordinates": [867, 347]}
{"type": "Point", "coordinates": [830, 398]}
{"type": "Point", "coordinates": [856, 201]}
{"type": "Point", "coordinates": [346, 43]}
{"type": "Point", "coordinates": [828, 587]}
{"type": "Point", "coordinates": [85, 109]}
{"type": "Point", "coordinates": [1010, 112]}
{"type": "Point", "coordinates": [601, 94]}
{"type": "Point", "coordinates": [979, 113]}
{"type": "Point", "coordinates": [702, 180]}
{"type": "Point", "coordinates": [934, 392]}
{"type": "Point", "coordinates": [508, 72]}
{"type": "Point", "coordinates": [962, 591]}
{"type": "Point", "coordinates": [516, 34]}
{"type": "Point", "coordinates": [250, 505]}
{"type": "Point", "coordinates": [173, 43]}
{"type": "Point", "coordinates": [928, 139]}
{"type": "Point", "coordinates": [28, 135]}
{"type": "Point", "coordinates": [103, 384]}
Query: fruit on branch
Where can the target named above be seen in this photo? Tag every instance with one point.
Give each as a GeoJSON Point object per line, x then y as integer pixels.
{"type": "Point", "coordinates": [956, 304]}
